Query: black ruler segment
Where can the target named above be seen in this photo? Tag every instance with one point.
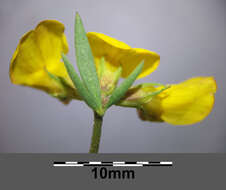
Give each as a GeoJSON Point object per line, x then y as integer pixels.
{"type": "Point", "coordinates": [106, 162]}
{"type": "Point", "coordinates": [59, 162]}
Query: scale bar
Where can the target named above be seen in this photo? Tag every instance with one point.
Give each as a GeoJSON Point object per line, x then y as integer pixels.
{"type": "Point", "coordinates": [114, 164]}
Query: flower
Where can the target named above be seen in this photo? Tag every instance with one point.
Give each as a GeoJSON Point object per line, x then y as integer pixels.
{"type": "Point", "coordinates": [37, 61]}
{"type": "Point", "coordinates": [185, 103]}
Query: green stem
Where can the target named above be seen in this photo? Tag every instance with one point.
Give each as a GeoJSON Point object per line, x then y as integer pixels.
{"type": "Point", "coordinates": [94, 147]}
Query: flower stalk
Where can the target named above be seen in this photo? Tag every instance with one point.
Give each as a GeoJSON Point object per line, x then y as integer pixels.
{"type": "Point", "coordinates": [95, 141]}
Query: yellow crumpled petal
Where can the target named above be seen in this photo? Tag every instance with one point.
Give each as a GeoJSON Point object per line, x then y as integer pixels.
{"type": "Point", "coordinates": [185, 103]}
{"type": "Point", "coordinates": [39, 51]}
{"type": "Point", "coordinates": [117, 53]}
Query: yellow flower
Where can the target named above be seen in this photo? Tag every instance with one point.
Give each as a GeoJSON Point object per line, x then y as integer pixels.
{"type": "Point", "coordinates": [182, 104]}
{"type": "Point", "coordinates": [37, 61]}
{"type": "Point", "coordinates": [117, 53]}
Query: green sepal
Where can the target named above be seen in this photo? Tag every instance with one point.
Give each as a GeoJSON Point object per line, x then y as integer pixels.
{"type": "Point", "coordinates": [114, 82]}
{"type": "Point", "coordinates": [152, 94]}
{"type": "Point", "coordinates": [101, 68]}
{"type": "Point", "coordinates": [136, 98]}
{"type": "Point", "coordinates": [52, 76]}
{"type": "Point", "coordinates": [120, 91]}
{"type": "Point", "coordinates": [82, 90]}
{"type": "Point", "coordinates": [108, 79]}
{"type": "Point", "coordinates": [85, 62]}
{"type": "Point", "coordinates": [118, 73]}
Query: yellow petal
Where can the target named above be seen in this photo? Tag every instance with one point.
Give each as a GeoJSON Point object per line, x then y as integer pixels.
{"type": "Point", "coordinates": [182, 104]}
{"type": "Point", "coordinates": [40, 51]}
{"type": "Point", "coordinates": [117, 53]}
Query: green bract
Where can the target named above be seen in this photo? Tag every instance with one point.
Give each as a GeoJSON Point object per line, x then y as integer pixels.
{"type": "Point", "coordinates": [85, 61]}
{"type": "Point", "coordinates": [119, 92]}
{"type": "Point", "coordinates": [83, 92]}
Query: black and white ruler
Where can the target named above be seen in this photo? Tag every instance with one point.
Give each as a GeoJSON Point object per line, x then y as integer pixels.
{"type": "Point", "coordinates": [114, 164]}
